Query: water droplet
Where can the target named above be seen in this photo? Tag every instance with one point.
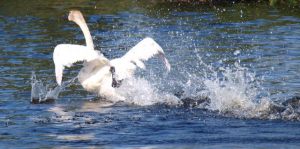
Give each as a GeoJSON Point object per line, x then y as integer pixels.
{"type": "Point", "coordinates": [236, 52]}
{"type": "Point", "coordinates": [241, 12]}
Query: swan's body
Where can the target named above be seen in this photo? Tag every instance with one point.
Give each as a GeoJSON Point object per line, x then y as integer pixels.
{"type": "Point", "coordinates": [98, 73]}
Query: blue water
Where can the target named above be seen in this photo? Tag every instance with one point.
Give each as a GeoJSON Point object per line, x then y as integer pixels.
{"type": "Point", "coordinates": [240, 58]}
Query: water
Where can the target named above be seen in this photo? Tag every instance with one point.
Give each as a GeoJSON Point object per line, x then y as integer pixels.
{"type": "Point", "coordinates": [234, 67]}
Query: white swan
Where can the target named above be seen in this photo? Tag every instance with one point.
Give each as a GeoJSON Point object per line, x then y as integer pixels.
{"type": "Point", "coordinates": [100, 75]}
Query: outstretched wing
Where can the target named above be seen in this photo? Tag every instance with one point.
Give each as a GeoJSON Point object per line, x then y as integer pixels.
{"type": "Point", "coordinates": [65, 55]}
{"type": "Point", "coordinates": [144, 50]}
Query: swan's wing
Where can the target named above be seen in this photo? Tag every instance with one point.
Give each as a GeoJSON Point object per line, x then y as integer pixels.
{"type": "Point", "coordinates": [144, 50]}
{"type": "Point", "coordinates": [65, 55]}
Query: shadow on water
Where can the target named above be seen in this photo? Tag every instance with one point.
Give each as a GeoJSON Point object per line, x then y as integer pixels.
{"type": "Point", "coordinates": [235, 68]}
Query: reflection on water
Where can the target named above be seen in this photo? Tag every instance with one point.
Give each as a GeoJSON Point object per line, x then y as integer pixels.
{"type": "Point", "coordinates": [239, 60]}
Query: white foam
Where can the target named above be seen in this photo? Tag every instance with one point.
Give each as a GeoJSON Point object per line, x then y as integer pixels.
{"type": "Point", "coordinates": [139, 91]}
{"type": "Point", "coordinates": [235, 92]}
{"type": "Point", "coordinates": [232, 90]}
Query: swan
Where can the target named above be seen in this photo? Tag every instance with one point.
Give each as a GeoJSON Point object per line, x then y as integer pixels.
{"type": "Point", "coordinates": [99, 74]}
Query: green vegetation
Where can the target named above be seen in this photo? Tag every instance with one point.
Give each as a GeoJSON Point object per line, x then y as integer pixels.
{"type": "Point", "coordinates": [293, 3]}
{"type": "Point", "coordinates": [284, 2]}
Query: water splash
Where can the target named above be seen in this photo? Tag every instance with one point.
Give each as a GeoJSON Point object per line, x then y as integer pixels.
{"type": "Point", "coordinates": [231, 90]}
{"type": "Point", "coordinates": [235, 91]}
{"type": "Point", "coordinates": [41, 93]}
{"type": "Point", "coordinates": [139, 91]}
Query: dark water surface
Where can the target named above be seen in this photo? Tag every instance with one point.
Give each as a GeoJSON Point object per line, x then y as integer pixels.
{"type": "Point", "coordinates": [243, 57]}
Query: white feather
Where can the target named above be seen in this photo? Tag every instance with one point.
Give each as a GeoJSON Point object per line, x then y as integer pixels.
{"type": "Point", "coordinates": [65, 55]}
{"type": "Point", "coordinates": [145, 49]}
{"type": "Point", "coordinates": [95, 76]}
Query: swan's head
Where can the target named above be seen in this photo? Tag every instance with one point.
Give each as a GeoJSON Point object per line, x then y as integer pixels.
{"type": "Point", "coordinates": [76, 16]}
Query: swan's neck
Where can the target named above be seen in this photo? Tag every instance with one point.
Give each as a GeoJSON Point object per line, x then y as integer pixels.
{"type": "Point", "coordinates": [87, 34]}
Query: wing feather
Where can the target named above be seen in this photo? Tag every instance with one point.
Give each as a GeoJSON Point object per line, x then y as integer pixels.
{"type": "Point", "coordinates": [144, 50]}
{"type": "Point", "coordinates": [65, 55]}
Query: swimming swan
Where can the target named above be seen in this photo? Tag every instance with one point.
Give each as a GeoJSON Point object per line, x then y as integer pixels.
{"type": "Point", "coordinates": [100, 75]}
